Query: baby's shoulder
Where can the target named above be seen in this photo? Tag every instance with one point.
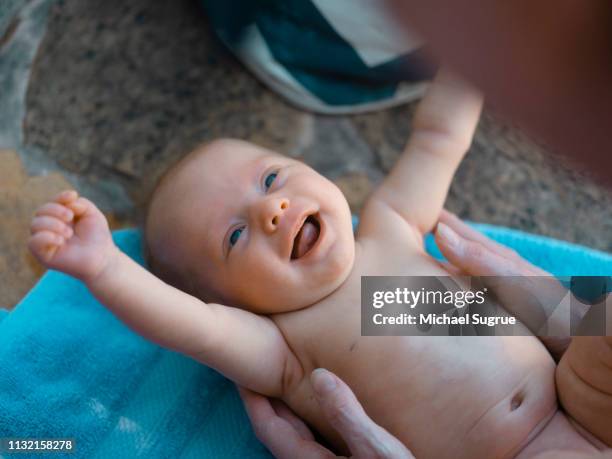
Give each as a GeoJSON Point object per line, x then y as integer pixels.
{"type": "Point", "coordinates": [380, 225]}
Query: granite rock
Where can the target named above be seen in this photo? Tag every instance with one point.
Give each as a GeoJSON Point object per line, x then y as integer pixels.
{"type": "Point", "coordinates": [20, 195]}
{"type": "Point", "coordinates": [121, 90]}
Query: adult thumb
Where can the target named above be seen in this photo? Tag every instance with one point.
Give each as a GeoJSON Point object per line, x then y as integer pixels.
{"type": "Point", "coordinates": [364, 438]}
{"type": "Point", "coordinates": [472, 257]}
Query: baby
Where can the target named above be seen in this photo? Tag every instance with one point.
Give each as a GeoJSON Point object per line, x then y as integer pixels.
{"type": "Point", "coordinates": [268, 244]}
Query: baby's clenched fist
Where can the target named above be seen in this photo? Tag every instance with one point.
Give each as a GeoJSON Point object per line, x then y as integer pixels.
{"type": "Point", "coordinates": [70, 234]}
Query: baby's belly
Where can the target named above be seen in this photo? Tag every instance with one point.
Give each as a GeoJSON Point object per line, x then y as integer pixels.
{"type": "Point", "coordinates": [442, 396]}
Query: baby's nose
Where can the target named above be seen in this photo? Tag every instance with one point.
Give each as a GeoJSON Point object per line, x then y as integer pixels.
{"type": "Point", "coordinates": [271, 211]}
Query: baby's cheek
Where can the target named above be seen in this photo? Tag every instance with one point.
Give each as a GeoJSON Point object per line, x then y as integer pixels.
{"type": "Point", "coordinates": [272, 290]}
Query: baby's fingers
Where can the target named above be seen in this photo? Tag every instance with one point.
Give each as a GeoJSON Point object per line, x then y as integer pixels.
{"type": "Point", "coordinates": [70, 198]}
{"type": "Point", "coordinates": [53, 209]}
{"type": "Point", "coordinates": [51, 224]}
{"type": "Point", "coordinates": [44, 244]}
{"type": "Point", "coordinates": [80, 206]}
{"type": "Point", "coordinates": [66, 197]}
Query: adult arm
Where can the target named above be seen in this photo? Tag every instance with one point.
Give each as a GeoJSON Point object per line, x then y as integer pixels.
{"type": "Point", "coordinates": [545, 65]}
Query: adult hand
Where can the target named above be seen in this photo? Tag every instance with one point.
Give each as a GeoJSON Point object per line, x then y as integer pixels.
{"type": "Point", "coordinates": [559, 53]}
{"type": "Point", "coordinates": [535, 303]}
{"type": "Point", "coordinates": [477, 255]}
{"type": "Point", "coordinates": [287, 437]}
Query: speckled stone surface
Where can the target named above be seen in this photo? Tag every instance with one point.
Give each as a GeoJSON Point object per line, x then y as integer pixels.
{"type": "Point", "coordinates": [120, 90]}
{"type": "Point", "coordinates": [20, 195]}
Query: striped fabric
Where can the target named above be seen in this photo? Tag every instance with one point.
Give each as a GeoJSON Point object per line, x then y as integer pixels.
{"type": "Point", "coordinates": [333, 57]}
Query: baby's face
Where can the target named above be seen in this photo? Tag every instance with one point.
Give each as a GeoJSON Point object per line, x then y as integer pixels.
{"type": "Point", "coordinates": [263, 231]}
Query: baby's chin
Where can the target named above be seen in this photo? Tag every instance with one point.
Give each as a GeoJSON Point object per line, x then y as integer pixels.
{"type": "Point", "coordinates": [302, 295]}
{"type": "Point", "coordinates": [278, 304]}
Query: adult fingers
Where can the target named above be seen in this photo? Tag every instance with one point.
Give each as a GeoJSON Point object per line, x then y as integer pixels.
{"type": "Point", "coordinates": [364, 438]}
{"type": "Point", "coordinates": [283, 411]}
{"type": "Point", "coordinates": [452, 270]}
{"type": "Point", "coordinates": [465, 231]}
{"type": "Point", "coordinates": [276, 433]}
{"type": "Point", "coordinates": [474, 257]}
{"type": "Point", "coordinates": [558, 454]}
{"type": "Point", "coordinates": [536, 302]}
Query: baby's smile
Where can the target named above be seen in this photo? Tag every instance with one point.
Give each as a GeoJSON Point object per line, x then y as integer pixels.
{"type": "Point", "coordinates": [259, 230]}
{"type": "Point", "coordinates": [307, 237]}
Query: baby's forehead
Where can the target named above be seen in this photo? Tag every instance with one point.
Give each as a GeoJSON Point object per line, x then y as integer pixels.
{"type": "Point", "coordinates": [219, 174]}
{"type": "Point", "coordinates": [235, 158]}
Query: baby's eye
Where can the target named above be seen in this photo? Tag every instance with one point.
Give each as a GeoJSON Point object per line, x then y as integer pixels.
{"type": "Point", "coordinates": [269, 179]}
{"type": "Point", "coordinates": [235, 236]}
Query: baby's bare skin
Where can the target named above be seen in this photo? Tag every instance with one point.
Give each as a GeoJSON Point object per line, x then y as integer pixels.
{"type": "Point", "coordinates": [468, 388]}
{"type": "Point", "coordinates": [234, 232]}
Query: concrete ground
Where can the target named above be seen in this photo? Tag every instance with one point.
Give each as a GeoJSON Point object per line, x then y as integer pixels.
{"type": "Point", "coordinates": [103, 96]}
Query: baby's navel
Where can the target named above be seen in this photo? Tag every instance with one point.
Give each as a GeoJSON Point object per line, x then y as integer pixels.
{"type": "Point", "coordinates": [517, 400]}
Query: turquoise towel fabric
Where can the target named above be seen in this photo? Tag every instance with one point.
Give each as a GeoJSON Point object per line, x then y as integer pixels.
{"type": "Point", "coordinates": [68, 368]}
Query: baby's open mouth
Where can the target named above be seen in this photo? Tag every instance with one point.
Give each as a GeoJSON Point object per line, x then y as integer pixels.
{"type": "Point", "coordinates": [306, 237]}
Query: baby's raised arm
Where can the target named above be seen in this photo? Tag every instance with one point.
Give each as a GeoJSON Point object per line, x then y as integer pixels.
{"type": "Point", "coordinates": [71, 235]}
{"type": "Point", "coordinates": [442, 132]}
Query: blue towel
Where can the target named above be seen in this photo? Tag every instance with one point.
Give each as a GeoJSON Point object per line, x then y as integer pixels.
{"type": "Point", "coordinates": [70, 369]}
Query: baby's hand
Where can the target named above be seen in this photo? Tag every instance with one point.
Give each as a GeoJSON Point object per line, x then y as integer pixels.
{"type": "Point", "coordinates": [70, 234]}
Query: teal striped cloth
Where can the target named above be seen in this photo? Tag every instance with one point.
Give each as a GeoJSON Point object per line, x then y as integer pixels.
{"type": "Point", "coordinates": [341, 56]}
{"type": "Point", "coordinates": [69, 368]}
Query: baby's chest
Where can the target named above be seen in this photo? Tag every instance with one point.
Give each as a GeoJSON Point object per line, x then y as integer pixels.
{"type": "Point", "coordinates": [332, 328]}
{"type": "Point", "coordinates": [396, 257]}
